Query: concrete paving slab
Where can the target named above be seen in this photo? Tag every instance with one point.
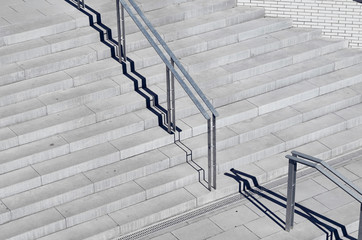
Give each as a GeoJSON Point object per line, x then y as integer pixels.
{"type": "Point", "coordinates": [355, 168]}
{"type": "Point", "coordinates": [305, 190]}
{"type": "Point", "coordinates": [240, 232]}
{"type": "Point", "coordinates": [167, 236]}
{"type": "Point", "coordinates": [328, 184]}
{"type": "Point", "coordinates": [193, 230]}
{"type": "Point", "coordinates": [5, 215]}
{"type": "Point", "coordinates": [76, 162]}
{"type": "Point", "coordinates": [269, 227]}
{"type": "Point", "coordinates": [334, 198]}
{"type": "Point", "coordinates": [234, 218]}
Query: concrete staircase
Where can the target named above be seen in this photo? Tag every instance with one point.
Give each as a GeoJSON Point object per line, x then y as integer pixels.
{"type": "Point", "coordinates": [84, 154]}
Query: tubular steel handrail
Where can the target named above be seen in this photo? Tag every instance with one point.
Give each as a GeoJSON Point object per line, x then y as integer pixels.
{"type": "Point", "coordinates": [327, 171]}
{"type": "Point", "coordinates": [83, 4]}
{"type": "Point", "coordinates": [171, 74]}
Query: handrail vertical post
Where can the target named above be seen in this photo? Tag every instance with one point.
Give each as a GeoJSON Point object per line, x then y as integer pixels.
{"type": "Point", "coordinates": [291, 195]}
{"type": "Point", "coordinates": [78, 4]}
{"type": "Point", "coordinates": [209, 148]}
{"type": "Point", "coordinates": [173, 98]}
{"type": "Point", "coordinates": [123, 34]}
{"type": "Point", "coordinates": [214, 149]}
{"type": "Point", "coordinates": [168, 100]}
{"type": "Point", "coordinates": [83, 3]}
{"type": "Point", "coordinates": [360, 224]}
{"type": "Point", "coordinates": [119, 32]}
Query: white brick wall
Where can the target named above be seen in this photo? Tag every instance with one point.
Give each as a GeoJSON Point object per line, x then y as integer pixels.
{"type": "Point", "coordinates": [336, 18]}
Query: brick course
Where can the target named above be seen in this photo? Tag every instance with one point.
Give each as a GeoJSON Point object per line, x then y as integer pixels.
{"type": "Point", "coordinates": [336, 18]}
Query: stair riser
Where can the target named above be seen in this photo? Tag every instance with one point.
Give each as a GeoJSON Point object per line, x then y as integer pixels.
{"type": "Point", "coordinates": [267, 152]}
{"type": "Point", "coordinates": [35, 92]}
{"type": "Point", "coordinates": [34, 158]}
{"type": "Point", "coordinates": [42, 231]}
{"type": "Point", "coordinates": [315, 135]}
{"type": "Point", "coordinates": [20, 187]}
{"type": "Point", "coordinates": [62, 65]}
{"type": "Point", "coordinates": [131, 175]}
{"type": "Point", "coordinates": [138, 224]}
{"type": "Point", "coordinates": [83, 167]}
{"type": "Point", "coordinates": [51, 202]}
{"type": "Point", "coordinates": [100, 211]}
{"type": "Point", "coordinates": [104, 137]}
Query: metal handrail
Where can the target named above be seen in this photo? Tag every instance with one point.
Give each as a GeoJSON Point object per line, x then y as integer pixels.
{"type": "Point", "coordinates": [174, 58]}
{"type": "Point", "coordinates": [83, 4]}
{"type": "Point", "coordinates": [326, 170]}
{"type": "Point", "coordinates": [171, 73]}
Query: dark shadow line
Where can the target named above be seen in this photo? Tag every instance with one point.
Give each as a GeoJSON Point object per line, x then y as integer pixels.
{"type": "Point", "coordinates": [149, 96]}
{"type": "Point", "coordinates": [161, 114]}
{"type": "Point", "coordinates": [307, 213]}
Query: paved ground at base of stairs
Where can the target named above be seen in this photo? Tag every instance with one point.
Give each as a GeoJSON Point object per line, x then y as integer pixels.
{"type": "Point", "coordinates": [262, 215]}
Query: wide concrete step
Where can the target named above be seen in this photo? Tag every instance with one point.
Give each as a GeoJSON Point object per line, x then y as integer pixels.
{"type": "Point", "coordinates": [132, 217]}
{"type": "Point", "coordinates": [252, 151]}
{"type": "Point", "coordinates": [147, 212]}
{"type": "Point", "coordinates": [173, 13]}
{"type": "Point", "coordinates": [218, 28]}
{"type": "Point", "coordinates": [48, 25]}
{"type": "Point", "coordinates": [224, 54]}
{"type": "Point", "coordinates": [270, 80]}
{"type": "Point", "coordinates": [47, 45]}
{"type": "Point", "coordinates": [48, 64]}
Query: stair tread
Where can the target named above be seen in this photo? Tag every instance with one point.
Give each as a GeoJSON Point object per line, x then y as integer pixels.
{"type": "Point", "coordinates": [79, 95]}
{"type": "Point", "coordinates": [71, 164]}
{"type": "Point", "coordinates": [18, 177]}
{"type": "Point", "coordinates": [30, 153]}
{"type": "Point", "coordinates": [100, 226]}
{"type": "Point", "coordinates": [52, 124]}
{"type": "Point", "coordinates": [22, 111]}
{"type": "Point", "coordinates": [34, 87]}
{"type": "Point", "coordinates": [38, 220]}
{"type": "Point", "coordinates": [82, 209]}
{"type": "Point", "coordinates": [47, 196]}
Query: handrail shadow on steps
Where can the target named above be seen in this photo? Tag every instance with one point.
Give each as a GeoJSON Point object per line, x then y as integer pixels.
{"type": "Point", "coordinates": [139, 82]}
{"type": "Point", "coordinates": [328, 226]}
{"type": "Point", "coordinates": [105, 34]}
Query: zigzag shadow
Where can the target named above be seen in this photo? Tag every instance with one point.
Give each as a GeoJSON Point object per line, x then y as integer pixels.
{"type": "Point", "coordinates": [151, 98]}
{"type": "Point", "coordinates": [330, 228]}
